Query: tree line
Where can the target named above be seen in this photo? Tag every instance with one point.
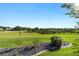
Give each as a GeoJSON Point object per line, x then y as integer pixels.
{"type": "Point", "coordinates": [40, 30]}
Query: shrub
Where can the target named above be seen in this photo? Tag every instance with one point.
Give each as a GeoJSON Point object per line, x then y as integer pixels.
{"type": "Point", "coordinates": [56, 42]}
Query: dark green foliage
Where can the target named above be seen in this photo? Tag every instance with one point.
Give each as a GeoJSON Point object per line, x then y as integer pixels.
{"type": "Point", "coordinates": [56, 42]}
{"type": "Point", "coordinates": [72, 11]}
{"type": "Point", "coordinates": [66, 5]}
{"type": "Point", "coordinates": [40, 30]}
{"type": "Point", "coordinates": [17, 28]}
{"type": "Point", "coordinates": [35, 29]}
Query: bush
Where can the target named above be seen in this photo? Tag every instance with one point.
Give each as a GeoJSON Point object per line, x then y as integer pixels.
{"type": "Point", "coordinates": [56, 42]}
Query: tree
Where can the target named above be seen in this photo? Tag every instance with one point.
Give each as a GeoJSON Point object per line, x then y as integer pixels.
{"type": "Point", "coordinates": [73, 10]}
{"type": "Point", "coordinates": [35, 29]}
{"type": "Point", "coordinates": [17, 28]}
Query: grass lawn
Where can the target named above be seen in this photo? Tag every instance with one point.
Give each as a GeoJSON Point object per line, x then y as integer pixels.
{"type": "Point", "coordinates": [12, 39]}
{"type": "Point", "coordinates": [69, 51]}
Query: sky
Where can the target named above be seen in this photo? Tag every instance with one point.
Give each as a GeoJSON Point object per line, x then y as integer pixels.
{"type": "Point", "coordinates": [42, 15]}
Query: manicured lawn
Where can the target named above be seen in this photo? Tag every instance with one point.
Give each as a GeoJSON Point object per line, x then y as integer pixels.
{"type": "Point", "coordinates": [12, 39]}
{"type": "Point", "coordinates": [69, 51]}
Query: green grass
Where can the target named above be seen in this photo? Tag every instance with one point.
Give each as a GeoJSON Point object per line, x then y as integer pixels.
{"type": "Point", "coordinates": [69, 51]}
{"type": "Point", "coordinates": [12, 39]}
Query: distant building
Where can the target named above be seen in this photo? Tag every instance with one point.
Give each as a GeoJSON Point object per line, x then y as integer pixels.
{"type": "Point", "coordinates": [1, 29]}
{"type": "Point", "coordinates": [8, 28]}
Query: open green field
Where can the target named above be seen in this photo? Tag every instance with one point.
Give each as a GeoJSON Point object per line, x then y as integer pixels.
{"type": "Point", "coordinates": [12, 39]}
